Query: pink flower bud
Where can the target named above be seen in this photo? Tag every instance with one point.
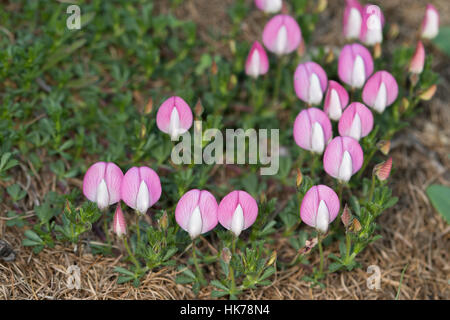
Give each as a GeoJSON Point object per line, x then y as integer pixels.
{"type": "Point", "coordinates": [320, 206]}
{"type": "Point", "coordinates": [343, 158]}
{"type": "Point", "coordinates": [372, 25]}
{"type": "Point", "coordinates": [269, 6]}
{"type": "Point", "coordinates": [257, 62]}
{"type": "Point", "coordinates": [140, 189]}
{"type": "Point", "coordinates": [356, 121]}
{"type": "Point", "coordinates": [310, 82]}
{"type": "Point", "coordinates": [312, 130]}
{"type": "Point", "coordinates": [119, 223]}
{"type": "Point", "coordinates": [355, 65]}
{"type": "Point", "coordinates": [174, 117]}
{"type": "Point", "coordinates": [430, 23]}
{"type": "Point", "coordinates": [237, 211]}
{"type": "Point", "coordinates": [336, 100]}
{"type": "Point", "coordinates": [352, 19]}
{"type": "Point", "coordinates": [383, 170]}
{"type": "Point", "coordinates": [196, 212]}
{"type": "Point", "coordinates": [282, 34]}
{"type": "Point", "coordinates": [418, 60]}
{"type": "Point", "coordinates": [380, 91]}
{"type": "Point", "coordinates": [101, 184]}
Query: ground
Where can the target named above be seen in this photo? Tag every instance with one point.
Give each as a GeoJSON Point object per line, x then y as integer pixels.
{"type": "Point", "coordinates": [415, 237]}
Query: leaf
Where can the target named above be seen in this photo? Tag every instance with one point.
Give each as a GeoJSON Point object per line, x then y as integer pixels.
{"type": "Point", "coordinates": [219, 285]}
{"type": "Point", "coordinates": [218, 294]}
{"type": "Point", "coordinates": [441, 40]}
{"type": "Point", "coordinates": [124, 271]}
{"type": "Point", "coordinates": [440, 198]}
{"type": "Point", "coordinates": [183, 280]}
{"type": "Point", "coordinates": [30, 234]}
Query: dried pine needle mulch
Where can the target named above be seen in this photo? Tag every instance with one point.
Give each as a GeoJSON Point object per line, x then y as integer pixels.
{"type": "Point", "coordinates": [415, 237]}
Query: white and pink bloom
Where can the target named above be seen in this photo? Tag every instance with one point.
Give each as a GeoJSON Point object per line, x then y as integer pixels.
{"type": "Point", "coordinates": [282, 34]}
{"type": "Point", "coordinates": [119, 223]}
{"type": "Point", "coordinates": [430, 23]}
{"type": "Point", "coordinates": [352, 19]}
{"type": "Point", "coordinates": [196, 212]}
{"type": "Point", "coordinates": [310, 82]}
{"type": "Point", "coordinates": [312, 130]}
{"type": "Point", "coordinates": [418, 60]}
{"type": "Point", "coordinates": [320, 206]}
{"type": "Point", "coordinates": [372, 25]}
{"type": "Point", "coordinates": [237, 211]}
{"type": "Point", "coordinates": [380, 91]}
{"type": "Point", "coordinates": [174, 117]}
{"type": "Point", "coordinates": [140, 189]}
{"type": "Point", "coordinates": [343, 158]}
{"type": "Point", "coordinates": [336, 100]}
{"type": "Point", "coordinates": [269, 6]}
{"type": "Point", "coordinates": [356, 121]}
{"type": "Point", "coordinates": [101, 184]}
{"type": "Point", "coordinates": [257, 62]}
{"type": "Point", "coordinates": [355, 65]}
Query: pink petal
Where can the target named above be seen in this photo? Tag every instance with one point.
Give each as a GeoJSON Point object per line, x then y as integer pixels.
{"type": "Point", "coordinates": [372, 86]}
{"type": "Point", "coordinates": [208, 208]}
{"type": "Point", "coordinates": [151, 178]}
{"type": "Point", "coordinates": [418, 60]}
{"type": "Point", "coordinates": [263, 59]}
{"type": "Point", "coordinates": [430, 23]}
{"type": "Point", "coordinates": [356, 152]}
{"type": "Point", "coordinates": [130, 187]}
{"type": "Point", "coordinates": [302, 77]}
{"type": "Point", "coordinates": [119, 223]}
{"type": "Point", "coordinates": [92, 179]}
{"type": "Point", "coordinates": [347, 59]}
{"type": "Point", "coordinates": [351, 4]}
{"type": "Point", "coordinates": [309, 206]}
{"type": "Point", "coordinates": [113, 178]}
{"type": "Point", "coordinates": [331, 200]}
{"type": "Point", "coordinates": [303, 126]}
{"type": "Point", "coordinates": [368, 11]}
{"type": "Point", "coordinates": [249, 207]}
{"type": "Point", "coordinates": [341, 92]}
{"type": "Point", "coordinates": [346, 121]}
{"type": "Point", "coordinates": [165, 111]}
{"type": "Point", "coordinates": [333, 155]}
{"type": "Point", "coordinates": [270, 33]}
{"type": "Point", "coordinates": [228, 206]}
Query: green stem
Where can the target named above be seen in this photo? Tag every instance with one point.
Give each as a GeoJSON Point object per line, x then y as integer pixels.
{"type": "Point", "coordinates": [132, 257]}
{"type": "Point", "coordinates": [194, 257]}
{"type": "Point", "coordinates": [321, 253]}
{"type": "Point", "coordinates": [105, 229]}
{"type": "Point", "coordinates": [348, 242]}
{"type": "Point", "coordinates": [138, 230]}
{"type": "Point", "coordinates": [233, 251]}
{"type": "Point", "coordinates": [314, 164]}
{"type": "Point", "coordinates": [372, 189]}
{"type": "Point", "coordinates": [278, 79]}
{"type": "Point", "coordinates": [366, 162]}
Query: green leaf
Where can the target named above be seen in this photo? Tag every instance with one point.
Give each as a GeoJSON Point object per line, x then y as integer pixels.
{"type": "Point", "coordinates": [30, 234]}
{"type": "Point", "coordinates": [124, 271]}
{"type": "Point", "coordinates": [219, 285]}
{"type": "Point", "coordinates": [218, 294]}
{"type": "Point", "coordinates": [440, 198]}
{"type": "Point", "coordinates": [441, 40]}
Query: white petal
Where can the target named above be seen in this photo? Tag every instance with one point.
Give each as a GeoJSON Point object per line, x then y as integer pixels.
{"type": "Point", "coordinates": [354, 24]}
{"type": "Point", "coordinates": [345, 169]}
{"type": "Point", "coordinates": [381, 99]}
{"type": "Point", "coordinates": [281, 41]}
{"type": "Point", "coordinates": [315, 91]}
{"type": "Point", "coordinates": [374, 32]}
{"type": "Point", "coordinates": [317, 138]}
{"type": "Point", "coordinates": [358, 72]}
{"type": "Point", "coordinates": [255, 64]}
{"type": "Point", "coordinates": [431, 28]}
{"type": "Point", "coordinates": [322, 217]}
{"type": "Point", "coordinates": [272, 6]}
{"type": "Point", "coordinates": [335, 108]}
{"type": "Point", "coordinates": [356, 128]}
{"type": "Point", "coordinates": [195, 223]}
{"type": "Point", "coordinates": [237, 222]}
{"type": "Point", "coordinates": [143, 198]}
{"type": "Point", "coordinates": [174, 125]}
{"type": "Point", "coordinates": [102, 195]}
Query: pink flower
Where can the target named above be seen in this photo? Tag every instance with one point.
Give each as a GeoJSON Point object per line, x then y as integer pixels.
{"type": "Point", "coordinates": [418, 60]}
{"type": "Point", "coordinates": [101, 184]}
{"type": "Point", "coordinates": [269, 6]}
{"type": "Point", "coordinates": [355, 65]}
{"type": "Point", "coordinates": [372, 25]}
{"type": "Point", "coordinates": [352, 19]}
{"type": "Point", "coordinates": [119, 223]}
{"type": "Point", "coordinates": [140, 189]}
{"type": "Point", "coordinates": [312, 130]}
{"type": "Point", "coordinates": [257, 62]}
{"type": "Point", "coordinates": [320, 206]}
{"type": "Point", "coordinates": [237, 211]}
{"type": "Point", "coordinates": [343, 158]}
{"type": "Point", "coordinates": [174, 117]}
{"type": "Point", "coordinates": [336, 100]}
{"type": "Point", "coordinates": [380, 91]}
{"type": "Point", "coordinates": [430, 23]}
{"type": "Point", "coordinates": [310, 82]}
{"type": "Point", "coordinates": [282, 34]}
{"type": "Point", "coordinates": [356, 121]}
{"type": "Point", "coordinates": [196, 212]}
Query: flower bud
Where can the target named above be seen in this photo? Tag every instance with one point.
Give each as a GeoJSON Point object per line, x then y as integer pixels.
{"type": "Point", "coordinates": [310, 82]}
{"type": "Point", "coordinates": [352, 20]}
{"type": "Point", "coordinates": [355, 226]}
{"type": "Point", "coordinates": [418, 60]}
{"type": "Point", "coordinates": [356, 121]}
{"type": "Point", "coordinates": [269, 6]}
{"type": "Point", "coordinates": [320, 206]}
{"type": "Point", "coordinates": [312, 130]}
{"type": "Point", "coordinates": [355, 65]}
{"type": "Point", "coordinates": [384, 146]}
{"type": "Point", "coordinates": [101, 184]}
{"type": "Point", "coordinates": [299, 179]}
{"type": "Point", "coordinates": [429, 93]}
{"type": "Point", "coordinates": [257, 62]}
{"type": "Point", "coordinates": [272, 259]}
{"type": "Point", "coordinates": [226, 255]}
{"type": "Point", "coordinates": [119, 223]}
{"type": "Point", "coordinates": [237, 211]}
{"type": "Point", "coordinates": [430, 23]}
{"type": "Point", "coordinates": [372, 25]}
{"type": "Point", "coordinates": [346, 217]}
{"type": "Point", "coordinates": [382, 170]}
{"type": "Point", "coordinates": [282, 34]}
{"type": "Point", "coordinates": [380, 91]}
{"type": "Point", "coordinates": [149, 106]}
{"type": "Point", "coordinates": [164, 221]}
{"type": "Point", "coordinates": [140, 189]}
{"type": "Point", "coordinates": [174, 117]}
{"type": "Point", "coordinates": [196, 212]}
